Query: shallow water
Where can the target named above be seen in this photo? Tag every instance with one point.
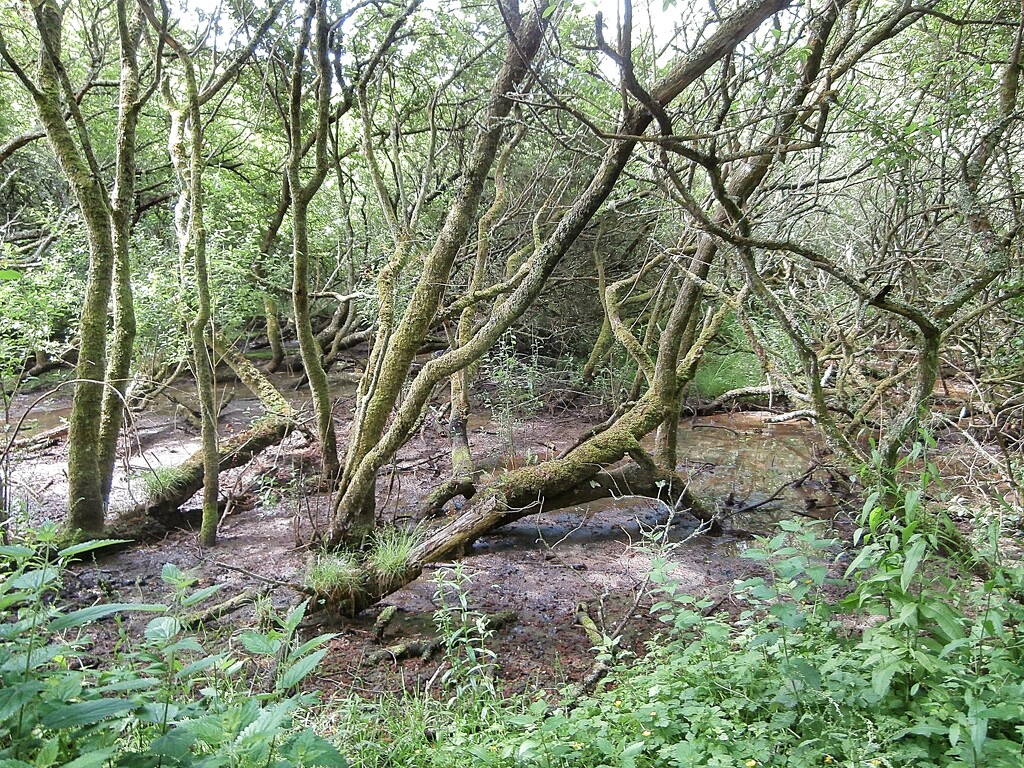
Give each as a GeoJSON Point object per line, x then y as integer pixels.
{"type": "Point", "coordinates": [736, 462]}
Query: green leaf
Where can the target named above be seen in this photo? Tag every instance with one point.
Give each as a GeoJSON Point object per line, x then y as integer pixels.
{"type": "Point", "coordinates": [309, 749]}
{"type": "Point", "coordinates": [298, 671]}
{"type": "Point", "coordinates": [979, 732]}
{"type": "Point", "coordinates": [294, 618]}
{"type": "Point", "coordinates": [198, 666]}
{"type": "Point", "coordinates": [162, 629]}
{"type": "Point", "coordinates": [13, 699]}
{"type": "Point", "coordinates": [881, 679]}
{"type": "Point", "coordinates": [93, 759]}
{"type": "Point", "coordinates": [16, 551]}
{"type": "Point", "coordinates": [546, 13]}
{"type": "Point", "coordinates": [48, 753]}
{"type": "Point", "coordinates": [1012, 713]}
{"type": "Point", "coordinates": [201, 594]}
{"type": "Point", "coordinates": [37, 657]}
{"type": "Point", "coordinates": [954, 734]}
{"type": "Point", "coordinates": [948, 622]}
{"type": "Point", "coordinates": [93, 613]}
{"type": "Point", "coordinates": [176, 744]}
{"type": "Point", "coordinates": [260, 644]}
{"type": "Point", "coordinates": [310, 645]}
{"type": "Point", "coordinates": [810, 676]}
{"type": "Point", "coordinates": [85, 713]}
{"type": "Point", "coordinates": [914, 557]}
{"type": "Point", "coordinates": [130, 685]}
{"type": "Point", "coordinates": [634, 749]}
{"type": "Point", "coordinates": [9, 274]}
{"type": "Point", "coordinates": [36, 579]}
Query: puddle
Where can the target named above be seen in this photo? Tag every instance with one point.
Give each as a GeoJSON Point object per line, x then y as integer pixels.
{"type": "Point", "coordinates": [744, 464]}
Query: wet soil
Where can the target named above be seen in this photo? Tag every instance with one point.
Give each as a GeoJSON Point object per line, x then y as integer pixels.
{"type": "Point", "coordinates": [542, 567]}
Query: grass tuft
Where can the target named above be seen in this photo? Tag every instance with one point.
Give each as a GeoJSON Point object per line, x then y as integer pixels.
{"type": "Point", "coordinates": [390, 551]}
{"type": "Point", "coordinates": [335, 577]}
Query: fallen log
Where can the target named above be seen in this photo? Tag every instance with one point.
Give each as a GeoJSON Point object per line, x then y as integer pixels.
{"type": "Point", "coordinates": [214, 612]}
{"type": "Point", "coordinates": [162, 506]}
{"type": "Point", "coordinates": [514, 497]}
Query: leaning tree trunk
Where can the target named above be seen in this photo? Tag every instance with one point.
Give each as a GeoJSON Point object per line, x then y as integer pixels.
{"type": "Point", "coordinates": [561, 482]}
{"type": "Point", "coordinates": [165, 504]}
{"type": "Point", "coordinates": [280, 419]}
{"type": "Point", "coordinates": [374, 442]}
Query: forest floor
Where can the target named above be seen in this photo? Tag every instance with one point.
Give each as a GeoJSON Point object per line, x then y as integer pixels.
{"type": "Point", "coordinates": [542, 567]}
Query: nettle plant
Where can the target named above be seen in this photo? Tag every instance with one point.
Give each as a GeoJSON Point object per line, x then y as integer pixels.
{"type": "Point", "coordinates": [159, 700]}
{"type": "Point", "coordinates": [921, 673]}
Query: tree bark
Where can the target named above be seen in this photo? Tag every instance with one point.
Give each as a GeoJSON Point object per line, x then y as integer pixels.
{"type": "Point", "coordinates": [122, 219]}
{"type": "Point", "coordinates": [86, 500]}
{"type": "Point", "coordinates": [393, 353]}
{"type": "Point", "coordinates": [301, 196]}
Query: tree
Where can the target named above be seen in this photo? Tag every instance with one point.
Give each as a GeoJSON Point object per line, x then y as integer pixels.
{"type": "Point", "coordinates": [186, 148]}
{"type": "Point", "coordinates": [107, 210]}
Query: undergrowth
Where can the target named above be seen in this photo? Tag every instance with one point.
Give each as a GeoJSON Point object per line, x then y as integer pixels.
{"type": "Point", "coordinates": [909, 668]}
{"type": "Point", "coordinates": [162, 700]}
{"type": "Point", "coordinates": [896, 662]}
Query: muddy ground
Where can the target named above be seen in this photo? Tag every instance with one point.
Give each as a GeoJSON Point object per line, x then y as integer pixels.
{"type": "Point", "coordinates": [542, 567]}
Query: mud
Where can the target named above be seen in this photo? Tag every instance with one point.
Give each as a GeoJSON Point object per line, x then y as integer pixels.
{"type": "Point", "coordinates": [542, 567]}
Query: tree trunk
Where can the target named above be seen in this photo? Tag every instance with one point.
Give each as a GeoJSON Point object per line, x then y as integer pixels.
{"type": "Point", "coordinates": [186, 151]}
{"type": "Point", "coordinates": [394, 353]}
{"type": "Point", "coordinates": [86, 500]}
{"type": "Point", "coordinates": [301, 196]}
{"type": "Point", "coordinates": [122, 215]}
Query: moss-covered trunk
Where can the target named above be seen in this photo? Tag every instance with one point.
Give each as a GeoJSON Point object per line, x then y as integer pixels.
{"type": "Point", "coordinates": [86, 499]}
{"type": "Point", "coordinates": [301, 196]}
{"type": "Point", "coordinates": [393, 353]}
{"type": "Point", "coordinates": [122, 216]}
{"type": "Point", "coordinates": [186, 152]}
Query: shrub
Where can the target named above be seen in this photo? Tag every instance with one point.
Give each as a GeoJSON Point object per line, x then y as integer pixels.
{"type": "Point", "coordinates": [161, 701]}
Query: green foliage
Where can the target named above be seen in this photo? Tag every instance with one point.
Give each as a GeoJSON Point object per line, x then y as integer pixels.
{"type": "Point", "coordinates": [335, 577]}
{"type": "Point", "coordinates": [464, 635]}
{"type": "Point", "coordinates": [932, 681]}
{"type": "Point", "coordinates": [516, 379]}
{"type": "Point", "coordinates": [159, 480]}
{"type": "Point", "coordinates": [39, 307]}
{"type": "Point", "coordinates": [728, 364]}
{"type": "Point", "coordinates": [390, 549]}
{"type": "Point", "coordinates": [164, 701]}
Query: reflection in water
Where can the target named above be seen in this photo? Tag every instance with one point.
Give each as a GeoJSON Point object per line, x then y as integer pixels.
{"type": "Point", "coordinates": [735, 461]}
